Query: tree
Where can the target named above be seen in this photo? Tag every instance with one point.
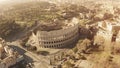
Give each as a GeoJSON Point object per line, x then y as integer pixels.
{"type": "Point", "coordinates": [31, 48]}
{"type": "Point", "coordinates": [75, 49]}
{"type": "Point", "coordinates": [108, 16]}
{"type": "Point", "coordinates": [84, 45]}
{"type": "Point", "coordinates": [98, 43]}
{"type": "Point", "coordinates": [9, 28]}
{"type": "Point", "coordinates": [68, 64]}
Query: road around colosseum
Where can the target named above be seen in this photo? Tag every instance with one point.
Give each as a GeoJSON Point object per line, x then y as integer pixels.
{"type": "Point", "coordinates": [38, 60]}
{"type": "Point", "coordinates": [41, 60]}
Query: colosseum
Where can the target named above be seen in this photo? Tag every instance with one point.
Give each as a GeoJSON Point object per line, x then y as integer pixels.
{"type": "Point", "coordinates": [56, 35]}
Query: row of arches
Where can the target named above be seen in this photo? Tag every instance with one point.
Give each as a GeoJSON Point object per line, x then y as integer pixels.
{"type": "Point", "coordinates": [59, 43]}
{"type": "Point", "coordinates": [54, 46]}
{"type": "Point", "coordinates": [57, 40]}
{"type": "Point", "coordinates": [63, 36]}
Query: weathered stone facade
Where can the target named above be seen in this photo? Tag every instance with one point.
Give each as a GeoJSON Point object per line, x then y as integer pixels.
{"type": "Point", "coordinates": [56, 38]}
{"type": "Point", "coordinates": [111, 29]}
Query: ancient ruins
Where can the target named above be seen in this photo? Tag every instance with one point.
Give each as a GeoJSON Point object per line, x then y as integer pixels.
{"type": "Point", "coordinates": [111, 28]}
{"type": "Point", "coordinates": [56, 38]}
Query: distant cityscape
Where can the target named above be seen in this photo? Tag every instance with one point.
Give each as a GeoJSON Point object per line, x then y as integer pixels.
{"type": "Point", "coordinates": [59, 34]}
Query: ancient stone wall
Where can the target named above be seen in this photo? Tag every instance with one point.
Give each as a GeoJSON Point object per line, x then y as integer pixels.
{"type": "Point", "coordinates": [58, 38]}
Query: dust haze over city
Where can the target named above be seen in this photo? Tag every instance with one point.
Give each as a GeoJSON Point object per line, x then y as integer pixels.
{"type": "Point", "coordinates": [59, 34]}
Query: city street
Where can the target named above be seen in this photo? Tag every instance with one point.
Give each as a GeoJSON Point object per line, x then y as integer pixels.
{"type": "Point", "coordinates": [31, 57]}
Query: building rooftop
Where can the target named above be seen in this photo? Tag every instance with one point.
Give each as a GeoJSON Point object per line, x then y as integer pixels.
{"type": "Point", "coordinates": [8, 56]}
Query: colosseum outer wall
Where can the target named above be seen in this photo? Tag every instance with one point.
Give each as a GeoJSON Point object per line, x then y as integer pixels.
{"type": "Point", "coordinates": [56, 38]}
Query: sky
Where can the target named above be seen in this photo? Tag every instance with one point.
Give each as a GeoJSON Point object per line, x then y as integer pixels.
{"type": "Point", "coordinates": [3, 0]}
{"type": "Point", "coordinates": [12, 1]}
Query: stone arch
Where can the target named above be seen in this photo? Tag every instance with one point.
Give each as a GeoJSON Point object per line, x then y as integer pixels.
{"type": "Point", "coordinates": [58, 38]}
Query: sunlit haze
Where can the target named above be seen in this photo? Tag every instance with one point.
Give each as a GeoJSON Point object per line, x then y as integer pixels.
{"type": "Point", "coordinates": [59, 33]}
{"type": "Point", "coordinates": [3, 1]}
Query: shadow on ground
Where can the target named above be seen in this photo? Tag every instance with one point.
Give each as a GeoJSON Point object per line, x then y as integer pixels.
{"type": "Point", "coordinates": [20, 50]}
